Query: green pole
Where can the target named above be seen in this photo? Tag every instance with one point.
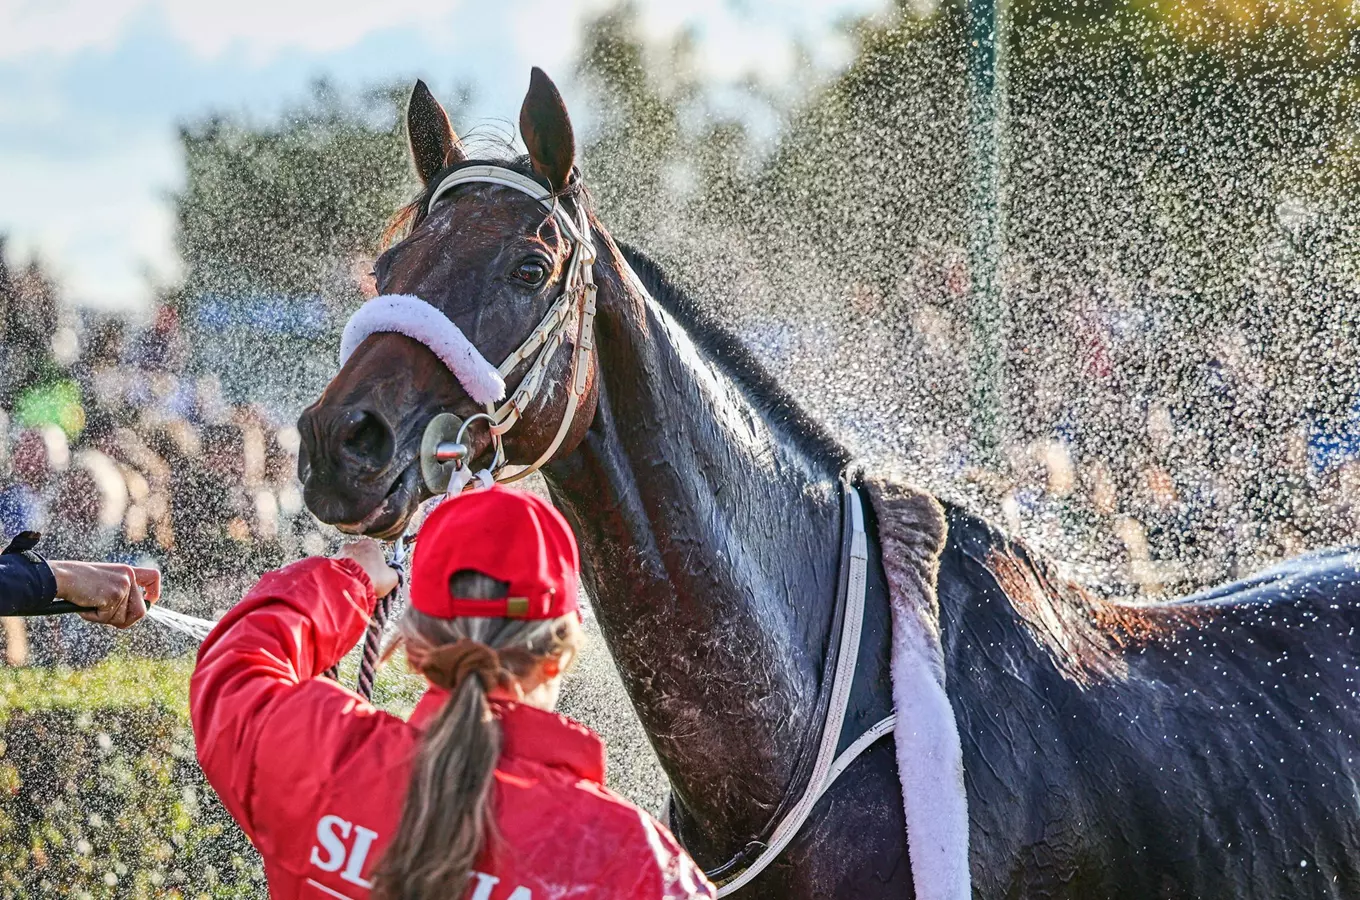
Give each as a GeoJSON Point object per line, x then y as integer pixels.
{"type": "Point", "coordinates": [984, 247]}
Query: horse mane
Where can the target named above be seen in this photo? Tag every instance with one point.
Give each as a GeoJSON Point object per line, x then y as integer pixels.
{"type": "Point", "coordinates": [736, 360]}
{"type": "Point", "coordinates": [1086, 636]}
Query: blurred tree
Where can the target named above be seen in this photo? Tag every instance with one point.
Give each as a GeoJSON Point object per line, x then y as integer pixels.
{"type": "Point", "coordinates": [276, 223]}
{"type": "Point", "coordinates": [1250, 35]}
{"type": "Point", "coordinates": [670, 157]}
{"type": "Point", "coordinates": [1177, 179]}
{"type": "Point", "coordinates": [637, 147]}
{"type": "Point", "coordinates": [6, 290]}
{"type": "Point", "coordinates": [280, 208]}
{"type": "Point", "coordinates": [876, 161]}
{"type": "Point", "coordinates": [29, 307]}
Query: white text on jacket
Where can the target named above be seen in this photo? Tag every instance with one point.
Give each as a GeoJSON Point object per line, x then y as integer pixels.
{"type": "Point", "coordinates": [332, 854]}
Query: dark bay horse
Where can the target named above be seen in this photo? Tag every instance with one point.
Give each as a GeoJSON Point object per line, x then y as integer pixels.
{"type": "Point", "coordinates": [1198, 749]}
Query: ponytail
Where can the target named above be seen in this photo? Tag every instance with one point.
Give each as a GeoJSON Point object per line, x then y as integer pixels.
{"type": "Point", "coordinates": [448, 817]}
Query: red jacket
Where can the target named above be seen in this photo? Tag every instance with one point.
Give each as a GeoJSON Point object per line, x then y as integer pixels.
{"type": "Point", "coordinates": [316, 776]}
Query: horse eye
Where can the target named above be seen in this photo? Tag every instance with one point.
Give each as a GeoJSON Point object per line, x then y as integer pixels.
{"type": "Point", "coordinates": [530, 272]}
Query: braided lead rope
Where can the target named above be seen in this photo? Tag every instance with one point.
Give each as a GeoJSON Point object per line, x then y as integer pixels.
{"type": "Point", "coordinates": [368, 667]}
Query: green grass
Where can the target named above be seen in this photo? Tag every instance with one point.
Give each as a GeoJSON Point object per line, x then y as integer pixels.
{"type": "Point", "coordinates": [131, 681]}
{"type": "Point", "coordinates": [101, 796]}
{"type": "Point", "coordinates": [119, 681]}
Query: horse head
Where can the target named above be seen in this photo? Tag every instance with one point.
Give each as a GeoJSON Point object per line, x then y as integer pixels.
{"type": "Point", "coordinates": [494, 261]}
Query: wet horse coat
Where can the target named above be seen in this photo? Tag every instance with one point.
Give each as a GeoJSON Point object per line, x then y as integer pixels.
{"type": "Point", "coordinates": [1203, 748]}
{"type": "Point", "coordinates": [1200, 749]}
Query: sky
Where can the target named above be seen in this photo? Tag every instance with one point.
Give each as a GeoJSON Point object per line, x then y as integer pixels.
{"type": "Point", "coordinates": [91, 91]}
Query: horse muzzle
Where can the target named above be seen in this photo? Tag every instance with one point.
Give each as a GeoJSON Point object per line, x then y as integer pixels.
{"type": "Point", "coordinates": [354, 474]}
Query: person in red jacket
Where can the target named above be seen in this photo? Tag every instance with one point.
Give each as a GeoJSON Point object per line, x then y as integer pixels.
{"type": "Point", "coordinates": [484, 793]}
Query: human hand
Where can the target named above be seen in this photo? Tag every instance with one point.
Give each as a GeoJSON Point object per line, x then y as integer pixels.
{"type": "Point", "coordinates": [115, 594]}
{"type": "Point", "coordinates": [368, 553]}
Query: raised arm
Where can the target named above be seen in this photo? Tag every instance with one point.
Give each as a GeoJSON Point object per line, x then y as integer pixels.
{"type": "Point", "coordinates": [264, 656]}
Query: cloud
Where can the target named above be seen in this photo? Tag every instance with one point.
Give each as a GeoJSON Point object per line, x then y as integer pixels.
{"type": "Point", "coordinates": [266, 28]}
{"type": "Point", "coordinates": [737, 37]}
{"type": "Point", "coordinates": [90, 91]}
{"type": "Point", "coordinates": [101, 228]}
{"type": "Point", "coordinates": [62, 27]}
{"type": "Point", "coordinates": [262, 28]}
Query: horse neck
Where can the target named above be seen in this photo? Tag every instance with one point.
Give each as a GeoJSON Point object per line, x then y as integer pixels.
{"type": "Point", "coordinates": [710, 545]}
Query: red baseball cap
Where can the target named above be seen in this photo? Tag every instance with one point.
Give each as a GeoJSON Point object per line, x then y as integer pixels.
{"type": "Point", "coordinates": [510, 535]}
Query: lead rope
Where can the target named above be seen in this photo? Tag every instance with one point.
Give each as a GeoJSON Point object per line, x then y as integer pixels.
{"type": "Point", "coordinates": [401, 550]}
{"type": "Point", "coordinates": [368, 664]}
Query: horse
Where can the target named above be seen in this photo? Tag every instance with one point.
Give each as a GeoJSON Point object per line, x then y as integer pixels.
{"type": "Point", "coordinates": [1198, 748]}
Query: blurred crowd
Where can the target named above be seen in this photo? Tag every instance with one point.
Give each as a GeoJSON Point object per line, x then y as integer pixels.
{"type": "Point", "coordinates": [1166, 525]}
{"type": "Point", "coordinates": [116, 452]}
{"type": "Point", "coordinates": [1164, 439]}
{"type": "Point", "coordinates": [1156, 455]}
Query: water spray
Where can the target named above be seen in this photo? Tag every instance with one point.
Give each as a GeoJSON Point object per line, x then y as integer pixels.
{"type": "Point", "coordinates": [193, 626]}
{"type": "Point", "coordinates": [444, 456]}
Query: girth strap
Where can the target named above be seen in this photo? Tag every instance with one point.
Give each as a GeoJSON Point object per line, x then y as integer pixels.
{"type": "Point", "coordinates": [837, 681]}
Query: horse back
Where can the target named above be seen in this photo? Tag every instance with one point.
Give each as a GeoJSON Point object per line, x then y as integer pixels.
{"type": "Point", "coordinates": [1200, 748]}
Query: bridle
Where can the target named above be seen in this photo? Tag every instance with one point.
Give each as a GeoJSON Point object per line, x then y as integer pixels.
{"type": "Point", "coordinates": [444, 459]}
{"type": "Point", "coordinates": [572, 314]}
{"type": "Point", "coordinates": [576, 304]}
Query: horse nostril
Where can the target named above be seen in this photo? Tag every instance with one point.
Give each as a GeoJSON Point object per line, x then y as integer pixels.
{"type": "Point", "coordinates": [365, 438]}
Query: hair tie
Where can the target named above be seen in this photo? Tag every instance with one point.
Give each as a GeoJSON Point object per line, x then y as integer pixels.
{"type": "Point", "coordinates": [448, 664]}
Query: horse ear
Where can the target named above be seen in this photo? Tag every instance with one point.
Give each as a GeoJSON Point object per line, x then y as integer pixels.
{"type": "Point", "coordinates": [433, 143]}
{"type": "Point", "coordinates": [546, 130]}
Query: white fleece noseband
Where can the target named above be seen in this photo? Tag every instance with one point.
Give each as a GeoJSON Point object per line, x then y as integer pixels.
{"type": "Point", "coordinates": [418, 320]}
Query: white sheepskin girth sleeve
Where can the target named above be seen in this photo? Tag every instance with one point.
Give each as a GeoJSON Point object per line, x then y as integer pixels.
{"type": "Point", "coordinates": [419, 321]}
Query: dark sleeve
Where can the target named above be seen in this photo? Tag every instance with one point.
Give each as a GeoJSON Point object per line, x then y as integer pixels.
{"type": "Point", "coordinates": [26, 581]}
